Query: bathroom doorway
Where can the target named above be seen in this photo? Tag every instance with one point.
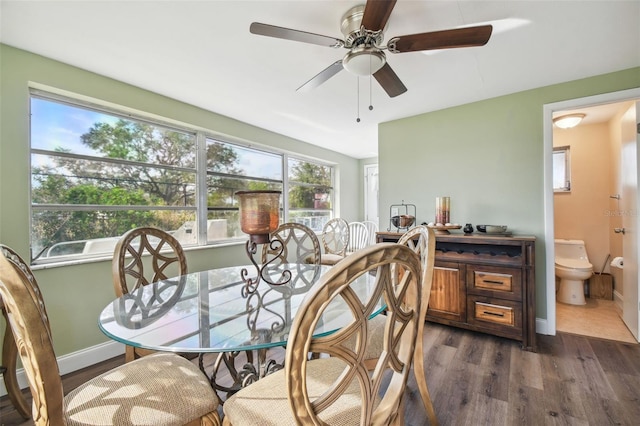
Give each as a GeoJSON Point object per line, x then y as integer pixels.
{"type": "Point", "coordinates": [600, 317]}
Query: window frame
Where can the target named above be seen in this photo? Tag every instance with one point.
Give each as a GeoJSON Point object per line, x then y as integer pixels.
{"type": "Point", "coordinates": [200, 208]}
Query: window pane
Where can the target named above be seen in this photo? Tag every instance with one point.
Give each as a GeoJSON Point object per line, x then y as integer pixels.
{"type": "Point", "coordinates": [223, 224]}
{"type": "Point", "coordinates": [310, 193]}
{"type": "Point", "coordinates": [221, 190]}
{"type": "Point", "coordinates": [65, 180]}
{"type": "Point", "coordinates": [57, 232]}
{"type": "Point", "coordinates": [232, 159]}
{"type": "Point", "coordinates": [72, 129]}
{"type": "Point", "coordinates": [561, 170]}
{"type": "Point", "coordinates": [312, 219]}
{"type": "Point", "coordinates": [305, 172]}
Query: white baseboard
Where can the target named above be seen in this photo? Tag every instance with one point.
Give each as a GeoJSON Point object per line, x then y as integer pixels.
{"type": "Point", "coordinates": [618, 300]}
{"type": "Point", "coordinates": [542, 326]}
{"type": "Point", "coordinates": [76, 361]}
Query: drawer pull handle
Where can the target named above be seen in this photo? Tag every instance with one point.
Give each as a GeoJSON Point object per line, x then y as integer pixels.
{"type": "Point", "coordinates": [493, 282]}
{"type": "Point", "coordinates": [497, 314]}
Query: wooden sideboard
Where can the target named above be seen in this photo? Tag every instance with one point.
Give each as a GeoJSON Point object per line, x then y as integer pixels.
{"type": "Point", "coordinates": [483, 283]}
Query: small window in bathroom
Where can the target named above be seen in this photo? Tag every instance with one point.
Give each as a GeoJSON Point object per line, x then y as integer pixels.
{"type": "Point", "coordinates": [561, 169]}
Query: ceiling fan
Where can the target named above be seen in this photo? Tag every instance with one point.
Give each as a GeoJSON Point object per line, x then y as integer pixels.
{"type": "Point", "coordinates": [363, 28]}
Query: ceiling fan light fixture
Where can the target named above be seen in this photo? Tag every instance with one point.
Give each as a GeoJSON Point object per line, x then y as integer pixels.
{"type": "Point", "coordinates": [568, 121]}
{"type": "Point", "coordinates": [364, 60]}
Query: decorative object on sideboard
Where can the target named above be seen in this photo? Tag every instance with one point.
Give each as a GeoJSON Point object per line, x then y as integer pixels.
{"type": "Point", "coordinates": [401, 216]}
{"type": "Point", "coordinates": [443, 210]}
{"type": "Point", "coordinates": [493, 229]}
{"type": "Point", "coordinates": [468, 229]}
{"type": "Point", "coordinates": [402, 221]}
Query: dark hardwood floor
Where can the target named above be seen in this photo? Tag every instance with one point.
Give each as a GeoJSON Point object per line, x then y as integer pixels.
{"type": "Point", "coordinates": [476, 379]}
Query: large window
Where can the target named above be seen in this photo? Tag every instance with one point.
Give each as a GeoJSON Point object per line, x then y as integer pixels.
{"type": "Point", "coordinates": [96, 173]}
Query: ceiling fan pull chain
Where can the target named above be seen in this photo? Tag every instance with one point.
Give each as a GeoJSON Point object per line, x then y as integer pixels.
{"type": "Point", "coordinates": [370, 92]}
{"type": "Point", "coordinates": [358, 96]}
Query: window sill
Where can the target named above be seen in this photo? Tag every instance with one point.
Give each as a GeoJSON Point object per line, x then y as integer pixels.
{"type": "Point", "coordinates": [108, 258]}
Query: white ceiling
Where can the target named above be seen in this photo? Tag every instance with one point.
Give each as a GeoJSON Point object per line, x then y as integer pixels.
{"type": "Point", "coordinates": [201, 52]}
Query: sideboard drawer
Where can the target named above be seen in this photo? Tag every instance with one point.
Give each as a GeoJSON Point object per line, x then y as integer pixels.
{"type": "Point", "coordinates": [495, 281]}
{"type": "Point", "coordinates": [505, 315]}
{"type": "Point", "coordinates": [494, 313]}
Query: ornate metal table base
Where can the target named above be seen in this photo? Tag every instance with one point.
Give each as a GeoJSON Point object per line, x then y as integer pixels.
{"type": "Point", "coordinates": [238, 377]}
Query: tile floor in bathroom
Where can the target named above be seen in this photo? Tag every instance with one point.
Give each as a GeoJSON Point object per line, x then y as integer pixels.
{"type": "Point", "coordinates": [598, 318]}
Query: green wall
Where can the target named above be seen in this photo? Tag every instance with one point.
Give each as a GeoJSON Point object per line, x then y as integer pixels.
{"type": "Point", "coordinates": [487, 156]}
{"type": "Point", "coordinates": [76, 294]}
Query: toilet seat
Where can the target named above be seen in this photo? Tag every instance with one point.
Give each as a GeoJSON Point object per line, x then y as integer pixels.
{"type": "Point", "coordinates": [574, 264]}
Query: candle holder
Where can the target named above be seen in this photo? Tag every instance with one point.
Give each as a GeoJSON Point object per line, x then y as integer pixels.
{"type": "Point", "coordinates": [443, 206]}
{"type": "Point", "coordinates": [259, 217]}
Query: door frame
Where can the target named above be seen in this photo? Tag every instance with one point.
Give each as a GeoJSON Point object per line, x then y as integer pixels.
{"type": "Point", "coordinates": [548, 109]}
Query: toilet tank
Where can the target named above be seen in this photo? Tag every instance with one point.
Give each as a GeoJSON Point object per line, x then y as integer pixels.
{"type": "Point", "coordinates": [571, 249]}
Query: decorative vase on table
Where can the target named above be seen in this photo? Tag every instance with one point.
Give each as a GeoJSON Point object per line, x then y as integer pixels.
{"type": "Point", "coordinates": [443, 206]}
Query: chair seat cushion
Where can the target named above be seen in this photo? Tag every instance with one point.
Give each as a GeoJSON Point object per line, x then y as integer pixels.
{"type": "Point", "coordinates": [375, 337]}
{"type": "Point", "coordinates": [265, 402]}
{"type": "Point", "coordinates": [330, 258]}
{"type": "Point", "coordinates": [161, 389]}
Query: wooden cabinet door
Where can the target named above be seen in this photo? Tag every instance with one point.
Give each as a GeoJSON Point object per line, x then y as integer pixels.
{"type": "Point", "coordinates": [448, 293]}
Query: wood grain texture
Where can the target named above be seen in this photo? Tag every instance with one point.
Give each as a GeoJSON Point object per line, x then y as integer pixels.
{"type": "Point", "coordinates": [446, 298]}
{"type": "Point", "coordinates": [496, 391]}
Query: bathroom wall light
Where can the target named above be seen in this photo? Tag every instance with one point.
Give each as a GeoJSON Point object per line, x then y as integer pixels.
{"type": "Point", "coordinates": [568, 121]}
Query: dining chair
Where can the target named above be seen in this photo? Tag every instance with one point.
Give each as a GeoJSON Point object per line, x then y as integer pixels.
{"type": "Point", "coordinates": [142, 256]}
{"type": "Point", "coordinates": [161, 389]}
{"type": "Point", "coordinates": [9, 348]}
{"type": "Point", "coordinates": [294, 245]}
{"type": "Point", "coordinates": [372, 228]}
{"type": "Point", "coordinates": [358, 236]}
{"type": "Point", "coordinates": [339, 389]}
{"type": "Point", "coordinates": [335, 239]}
{"type": "Point", "coordinates": [299, 244]}
{"type": "Point", "coordinates": [421, 239]}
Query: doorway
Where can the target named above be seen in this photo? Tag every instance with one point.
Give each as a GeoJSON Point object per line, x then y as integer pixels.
{"type": "Point", "coordinates": [371, 193]}
{"type": "Point", "coordinates": [549, 111]}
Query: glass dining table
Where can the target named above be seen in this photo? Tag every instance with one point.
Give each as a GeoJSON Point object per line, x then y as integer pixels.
{"type": "Point", "coordinates": [211, 312]}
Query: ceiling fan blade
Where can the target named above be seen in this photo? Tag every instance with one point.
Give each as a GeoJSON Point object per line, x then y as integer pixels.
{"type": "Point", "coordinates": [376, 14]}
{"type": "Point", "coordinates": [322, 76]}
{"type": "Point", "coordinates": [446, 39]}
{"type": "Point", "coordinates": [295, 35]}
{"type": "Point", "coordinates": [390, 81]}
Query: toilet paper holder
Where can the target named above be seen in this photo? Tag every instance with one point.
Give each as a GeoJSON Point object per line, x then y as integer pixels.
{"type": "Point", "coordinates": [617, 262]}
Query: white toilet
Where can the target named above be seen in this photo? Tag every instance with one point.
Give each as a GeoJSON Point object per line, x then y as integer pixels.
{"type": "Point", "coordinates": [573, 268]}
